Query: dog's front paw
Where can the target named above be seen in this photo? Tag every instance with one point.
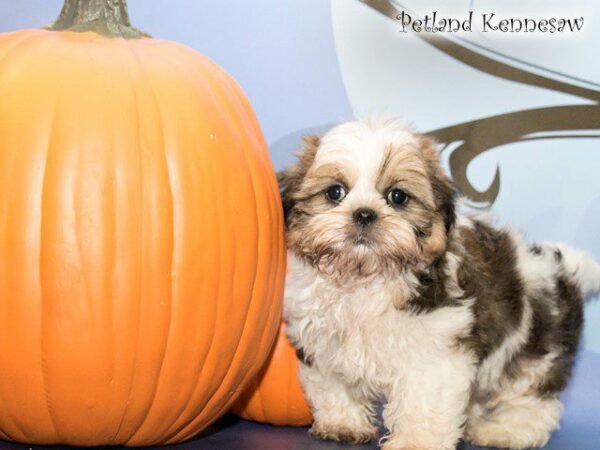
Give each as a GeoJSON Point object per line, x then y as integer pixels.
{"type": "Point", "coordinates": [395, 442]}
{"type": "Point", "coordinates": [343, 433]}
{"type": "Point", "coordinates": [392, 446]}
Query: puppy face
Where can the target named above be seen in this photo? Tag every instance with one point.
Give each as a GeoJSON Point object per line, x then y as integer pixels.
{"type": "Point", "coordinates": [368, 197]}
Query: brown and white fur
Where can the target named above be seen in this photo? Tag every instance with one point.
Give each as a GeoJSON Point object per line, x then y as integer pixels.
{"type": "Point", "coordinates": [463, 329]}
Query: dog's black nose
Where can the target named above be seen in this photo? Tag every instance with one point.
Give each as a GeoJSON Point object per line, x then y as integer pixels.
{"type": "Point", "coordinates": [364, 216]}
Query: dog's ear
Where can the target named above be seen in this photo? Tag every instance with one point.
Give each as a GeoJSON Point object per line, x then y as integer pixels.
{"type": "Point", "coordinates": [291, 178]}
{"type": "Point", "coordinates": [444, 190]}
{"type": "Point", "coordinates": [285, 181]}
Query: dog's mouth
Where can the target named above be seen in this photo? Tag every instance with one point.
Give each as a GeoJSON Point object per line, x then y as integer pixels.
{"type": "Point", "coordinates": [362, 237]}
{"type": "Point", "coordinates": [362, 240]}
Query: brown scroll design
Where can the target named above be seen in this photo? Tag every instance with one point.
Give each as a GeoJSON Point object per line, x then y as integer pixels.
{"type": "Point", "coordinates": [478, 136]}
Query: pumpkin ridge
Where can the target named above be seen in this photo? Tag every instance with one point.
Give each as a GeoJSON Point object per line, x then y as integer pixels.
{"type": "Point", "coordinates": [239, 146]}
{"type": "Point", "coordinates": [141, 69]}
{"type": "Point", "coordinates": [43, 184]}
{"type": "Point", "coordinates": [97, 275]}
{"type": "Point", "coordinates": [274, 205]}
{"type": "Point", "coordinates": [218, 294]}
{"type": "Point", "coordinates": [140, 263]}
{"type": "Point", "coordinates": [189, 432]}
{"type": "Point", "coordinates": [234, 92]}
{"type": "Point", "coordinates": [139, 290]}
{"type": "Point", "coordinates": [241, 114]}
{"type": "Point", "coordinates": [17, 426]}
{"type": "Point", "coordinates": [140, 259]}
{"type": "Point", "coordinates": [44, 303]}
{"type": "Point", "coordinates": [274, 200]}
{"type": "Point", "coordinates": [139, 152]}
{"type": "Point", "coordinates": [173, 428]}
{"type": "Point", "coordinates": [265, 158]}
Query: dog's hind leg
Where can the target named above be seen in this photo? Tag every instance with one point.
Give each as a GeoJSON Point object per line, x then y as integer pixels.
{"type": "Point", "coordinates": [518, 423]}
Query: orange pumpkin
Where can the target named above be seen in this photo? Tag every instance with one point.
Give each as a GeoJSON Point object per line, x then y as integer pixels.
{"type": "Point", "coordinates": [141, 238]}
{"type": "Point", "coordinates": [276, 396]}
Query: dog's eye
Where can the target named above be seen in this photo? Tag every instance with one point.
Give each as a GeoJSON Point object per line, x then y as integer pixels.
{"type": "Point", "coordinates": [336, 193]}
{"type": "Point", "coordinates": [397, 197]}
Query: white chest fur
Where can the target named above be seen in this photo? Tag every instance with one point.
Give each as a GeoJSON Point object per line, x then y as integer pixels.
{"type": "Point", "coordinates": [356, 333]}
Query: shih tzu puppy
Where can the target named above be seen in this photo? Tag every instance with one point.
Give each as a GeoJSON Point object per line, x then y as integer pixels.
{"type": "Point", "coordinates": [463, 329]}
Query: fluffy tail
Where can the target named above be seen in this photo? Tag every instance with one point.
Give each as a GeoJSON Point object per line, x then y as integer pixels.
{"type": "Point", "coordinates": [583, 268]}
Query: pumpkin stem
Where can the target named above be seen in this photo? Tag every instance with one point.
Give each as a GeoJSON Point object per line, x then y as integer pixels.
{"type": "Point", "coordinates": [106, 17]}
